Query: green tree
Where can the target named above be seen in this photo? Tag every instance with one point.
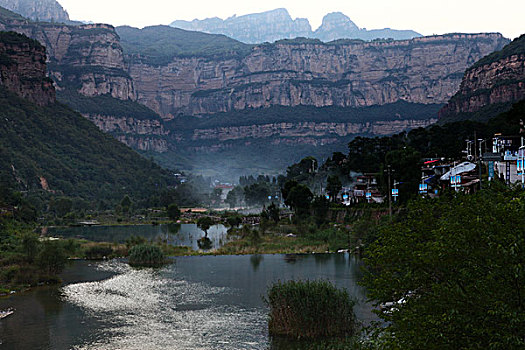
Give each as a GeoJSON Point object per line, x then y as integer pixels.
{"type": "Point", "coordinates": [173, 212]}
{"type": "Point", "coordinates": [30, 245]}
{"type": "Point", "coordinates": [51, 259]}
{"type": "Point", "coordinates": [333, 186]}
{"type": "Point", "coordinates": [320, 206]}
{"type": "Point", "coordinates": [454, 269]}
{"type": "Point", "coordinates": [300, 198]}
{"type": "Point", "coordinates": [235, 196]}
{"type": "Point", "coordinates": [234, 221]}
{"type": "Point", "coordinates": [126, 203]}
{"type": "Point", "coordinates": [204, 223]}
{"type": "Point", "coordinates": [61, 206]}
{"type": "Point", "coordinates": [257, 194]}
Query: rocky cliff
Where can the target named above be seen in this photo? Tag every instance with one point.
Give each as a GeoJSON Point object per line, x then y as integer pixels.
{"type": "Point", "coordinates": [277, 24]}
{"type": "Point", "coordinates": [310, 130]}
{"type": "Point", "coordinates": [141, 134]}
{"type": "Point", "coordinates": [86, 64]}
{"type": "Point", "coordinates": [306, 72]}
{"type": "Point", "coordinates": [39, 10]}
{"type": "Point", "coordinates": [498, 79]}
{"type": "Point", "coordinates": [86, 58]}
{"type": "Point", "coordinates": [23, 68]}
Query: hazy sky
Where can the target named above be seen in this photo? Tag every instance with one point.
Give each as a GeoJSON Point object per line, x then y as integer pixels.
{"type": "Point", "coordinates": [426, 17]}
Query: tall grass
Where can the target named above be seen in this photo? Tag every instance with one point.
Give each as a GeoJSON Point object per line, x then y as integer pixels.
{"type": "Point", "coordinates": [310, 309]}
{"type": "Point", "coordinates": [146, 255]}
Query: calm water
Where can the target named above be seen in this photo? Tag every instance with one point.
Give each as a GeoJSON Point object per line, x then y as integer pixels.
{"type": "Point", "coordinates": [208, 302]}
{"type": "Point", "coordinates": [176, 234]}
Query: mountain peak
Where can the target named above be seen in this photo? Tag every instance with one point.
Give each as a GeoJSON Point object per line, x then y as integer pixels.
{"type": "Point", "coordinates": [336, 25]}
{"type": "Point", "coordinates": [273, 25]}
{"type": "Point", "coordinates": [40, 10]}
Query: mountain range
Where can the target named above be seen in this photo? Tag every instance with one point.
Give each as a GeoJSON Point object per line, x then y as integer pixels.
{"type": "Point", "coordinates": [277, 24]}
{"type": "Point", "coordinates": [207, 102]}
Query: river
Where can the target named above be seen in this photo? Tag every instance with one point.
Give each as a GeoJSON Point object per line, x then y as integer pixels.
{"type": "Point", "coordinates": [199, 302]}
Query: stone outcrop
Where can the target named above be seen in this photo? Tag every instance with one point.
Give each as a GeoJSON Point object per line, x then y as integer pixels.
{"type": "Point", "coordinates": [277, 24]}
{"type": "Point", "coordinates": [38, 10]}
{"type": "Point", "coordinates": [348, 74]}
{"type": "Point", "coordinates": [87, 58]}
{"type": "Point", "coordinates": [497, 79]}
{"type": "Point", "coordinates": [308, 130]}
{"type": "Point", "coordinates": [142, 134]}
{"type": "Point", "coordinates": [23, 68]}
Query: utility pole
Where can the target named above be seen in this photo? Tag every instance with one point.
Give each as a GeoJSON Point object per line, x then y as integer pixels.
{"type": "Point", "coordinates": [389, 194]}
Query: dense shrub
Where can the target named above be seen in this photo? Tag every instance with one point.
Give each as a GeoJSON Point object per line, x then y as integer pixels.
{"type": "Point", "coordinates": [310, 309]}
{"type": "Point", "coordinates": [146, 255]}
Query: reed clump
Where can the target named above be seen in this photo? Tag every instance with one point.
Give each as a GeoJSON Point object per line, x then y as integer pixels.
{"type": "Point", "coordinates": [310, 309]}
{"type": "Point", "coordinates": [146, 255]}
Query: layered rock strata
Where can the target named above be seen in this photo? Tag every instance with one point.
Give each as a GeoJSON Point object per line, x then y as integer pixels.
{"type": "Point", "coordinates": [497, 79]}
{"type": "Point", "coordinates": [348, 74]}
{"type": "Point", "coordinates": [23, 68]}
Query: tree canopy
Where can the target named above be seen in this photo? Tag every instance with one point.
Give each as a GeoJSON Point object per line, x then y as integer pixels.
{"type": "Point", "coordinates": [453, 269]}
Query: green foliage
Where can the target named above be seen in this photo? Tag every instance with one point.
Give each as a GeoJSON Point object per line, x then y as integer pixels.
{"type": "Point", "coordinates": [70, 153]}
{"type": "Point", "coordinates": [310, 309]}
{"type": "Point", "coordinates": [403, 151]}
{"type": "Point", "coordinates": [271, 213]}
{"type": "Point", "coordinates": [257, 194]}
{"type": "Point", "coordinates": [146, 255]}
{"type": "Point", "coordinates": [12, 38]}
{"type": "Point", "coordinates": [333, 186]}
{"type": "Point", "coordinates": [457, 262]}
{"type": "Point", "coordinates": [235, 196]}
{"type": "Point", "coordinates": [51, 258]}
{"type": "Point", "coordinates": [159, 45]}
{"type": "Point", "coordinates": [320, 207]}
{"type": "Point", "coordinates": [106, 105]}
{"type": "Point", "coordinates": [516, 47]}
{"type": "Point", "coordinates": [98, 252]}
{"type": "Point", "coordinates": [299, 198]}
{"type": "Point", "coordinates": [135, 240]}
{"type": "Point", "coordinates": [300, 114]}
{"type": "Point", "coordinates": [204, 223]}
{"type": "Point", "coordinates": [204, 243]}
{"type": "Point", "coordinates": [173, 212]}
{"type": "Point", "coordinates": [234, 221]}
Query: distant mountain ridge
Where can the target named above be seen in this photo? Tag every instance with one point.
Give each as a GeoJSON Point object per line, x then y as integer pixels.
{"type": "Point", "coordinates": [38, 10]}
{"type": "Point", "coordinates": [277, 24]}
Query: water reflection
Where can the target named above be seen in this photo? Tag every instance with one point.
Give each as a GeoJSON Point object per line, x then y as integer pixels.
{"type": "Point", "coordinates": [175, 234]}
{"type": "Point", "coordinates": [207, 302]}
{"type": "Point", "coordinates": [255, 260]}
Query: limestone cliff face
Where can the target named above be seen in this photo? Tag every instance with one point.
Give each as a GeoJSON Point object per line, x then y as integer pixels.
{"type": "Point", "coordinates": [142, 134]}
{"type": "Point", "coordinates": [499, 78]}
{"type": "Point", "coordinates": [309, 130]}
{"type": "Point", "coordinates": [86, 58]}
{"type": "Point", "coordinates": [350, 74]}
{"type": "Point", "coordinates": [23, 68]}
{"type": "Point", "coordinates": [41, 10]}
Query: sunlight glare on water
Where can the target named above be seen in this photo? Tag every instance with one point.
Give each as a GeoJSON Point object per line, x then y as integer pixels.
{"type": "Point", "coordinates": [143, 309]}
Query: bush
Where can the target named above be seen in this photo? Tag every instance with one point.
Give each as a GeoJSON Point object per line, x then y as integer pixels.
{"type": "Point", "coordinates": [310, 309]}
{"type": "Point", "coordinates": [98, 252]}
{"type": "Point", "coordinates": [146, 255]}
